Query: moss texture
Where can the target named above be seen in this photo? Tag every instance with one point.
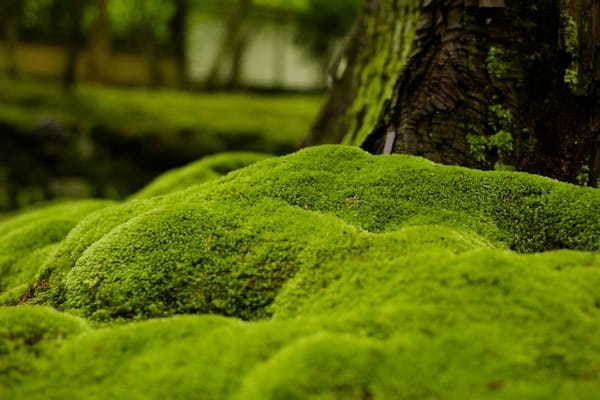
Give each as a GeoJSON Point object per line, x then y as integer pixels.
{"type": "Point", "coordinates": [28, 334]}
{"type": "Point", "coordinates": [358, 277]}
{"type": "Point", "coordinates": [28, 239]}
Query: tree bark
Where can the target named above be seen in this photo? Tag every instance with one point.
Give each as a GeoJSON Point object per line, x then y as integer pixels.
{"type": "Point", "coordinates": [487, 83]}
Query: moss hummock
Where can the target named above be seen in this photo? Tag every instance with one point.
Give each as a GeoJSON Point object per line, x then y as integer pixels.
{"type": "Point", "coordinates": [356, 276]}
{"type": "Point", "coordinates": [28, 239]}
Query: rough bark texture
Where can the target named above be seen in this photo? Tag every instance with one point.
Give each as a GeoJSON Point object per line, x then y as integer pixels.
{"type": "Point", "coordinates": [489, 83]}
{"type": "Point", "coordinates": [364, 72]}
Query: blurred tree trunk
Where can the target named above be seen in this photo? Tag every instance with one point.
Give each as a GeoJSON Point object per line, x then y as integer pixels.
{"type": "Point", "coordinates": [148, 42]}
{"type": "Point", "coordinates": [179, 29]}
{"type": "Point", "coordinates": [100, 43]}
{"type": "Point", "coordinates": [153, 57]}
{"type": "Point", "coordinates": [11, 13]}
{"type": "Point", "coordinates": [480, 83]}
{"type": "Point", "coordinates": [232, 47]}
{"type": "Point", "coordinates": [12, 44]}
{"type": "Point", "coordinates": [75, 42]}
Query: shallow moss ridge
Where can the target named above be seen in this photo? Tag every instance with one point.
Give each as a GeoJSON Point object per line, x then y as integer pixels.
{"type": "Point", "coordinates": [383, 277]}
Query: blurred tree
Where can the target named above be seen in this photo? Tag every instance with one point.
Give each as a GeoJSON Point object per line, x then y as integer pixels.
{"type": "Point", "coordinates": [100, 42]}
{"type": "Point", "coordinates": [11, 12]}
{"type": "Point", "coordinates": [321, 25]}
{"type": "Point", "coordinates": [179, 30]}
{"type": "Point", "coordinates": [74, 12]}
{"type": "Point", "coordinates": [232, 46]}
{"type": "Point", "coordinates": [481, 83]}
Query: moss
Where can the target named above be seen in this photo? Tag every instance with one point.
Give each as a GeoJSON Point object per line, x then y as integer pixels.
{"type": "Point", "coordinates": [29, 333]}
{"type": "Point", "coordinates": [204, 121]}
{"type": "Point", "coordinates": [386, 277]}
{"type": "Point", "coordinates": [387, 58]}
{"type": "Point", "coordinates": [484, 324]}
{"type": "Point", "coordinates": [228, 246]}
{"type": "Point", "coordinates": [204, 170]}
{"type": "Point", "coordinates": [496, 63]}
{"type": "Point", "coordinates": [26, 240]}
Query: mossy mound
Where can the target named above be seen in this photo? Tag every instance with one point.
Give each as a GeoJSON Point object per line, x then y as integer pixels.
{"type": "Point", "coordinates": [26, 240]}
{"type": "Point", "coordinates": [204, 170]}
{"type": "Point", "coordinates": [227, 247]}
{"type": "Point", "coordinates": [363, 277]}
{"type": "Point", "coordinates": [485, 324]}
{"type": "Point", "coordinates": [28, 333]}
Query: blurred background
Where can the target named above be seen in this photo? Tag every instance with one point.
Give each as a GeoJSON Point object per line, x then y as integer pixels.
{"type": "Point", "coordinates": [98, 97]}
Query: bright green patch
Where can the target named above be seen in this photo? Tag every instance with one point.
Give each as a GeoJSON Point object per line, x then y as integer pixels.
{"type": "Point", "coordinates": [363, 277]}
{"type": "Point", "coordinates": [28, 333]}
{"type": "Point", "coordinates": [28, 239]}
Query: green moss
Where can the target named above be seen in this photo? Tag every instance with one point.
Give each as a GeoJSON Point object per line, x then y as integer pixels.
{"type": "Point", "coordinates": [497, 63]}
{"type": "Point", "coordinates": [29, 333]}
{"type": "Point", "coordinates": [485, 324]}
{"type": "Point", "coordinates": [201, 121]}
{"type": "Point", "coordinates": [27, 240]}
{"type": "Point", "coordinates": [228, 246]}
{"type": "Point", "coordinates": [386, 58]}
{"type": "Point", "coordinates": [385, 277]}
{"type": "Point", "coordinates": [204, 170]}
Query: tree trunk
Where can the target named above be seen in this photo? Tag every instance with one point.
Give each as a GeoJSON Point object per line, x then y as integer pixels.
{"type": "Point", "coordinates": [12, 43]}
{"type": "Point", "coordinates": [232, 46]}
{"type": "Point", "coordinates": [75, 43]}
{"type": "Point", "coordinates": [487, 83]}
{"type": "Point", "coordinates": [179, 33]}
{"type": "Point", "coordinates": [11, 13]}
{"type": "Point", "coordinates": [100, 44]}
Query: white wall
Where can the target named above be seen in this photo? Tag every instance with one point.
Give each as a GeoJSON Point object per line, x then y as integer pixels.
{"type": "Point", "coordinates": [272, 59]}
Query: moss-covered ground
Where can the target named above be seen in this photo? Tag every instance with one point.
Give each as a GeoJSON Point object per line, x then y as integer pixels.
{"type": "Point", "coordinates": [110, 142]}
{"type": "Point", "coordinates": [326, 274]}
{"type": "Point", "coordinates": [166, 114]}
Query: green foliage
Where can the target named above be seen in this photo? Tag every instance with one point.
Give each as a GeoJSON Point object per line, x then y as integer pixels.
{"type": "Point", "coordinates": [385, 277]}
{"type": "Point", "coordinates": [204, 170]}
